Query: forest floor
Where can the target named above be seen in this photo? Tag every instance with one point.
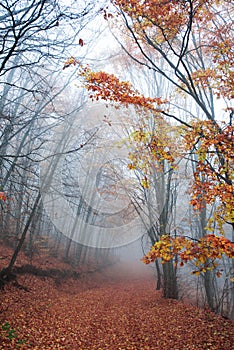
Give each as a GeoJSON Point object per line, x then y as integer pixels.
{"type": "Point", "coordinates": [111, 310]}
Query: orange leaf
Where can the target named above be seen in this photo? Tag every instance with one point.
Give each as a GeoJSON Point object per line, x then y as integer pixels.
{"type": "Point", "coordinates": [3, 196]}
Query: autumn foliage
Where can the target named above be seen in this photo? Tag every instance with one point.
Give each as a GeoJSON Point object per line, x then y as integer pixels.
{"type": "Point", "coordinates": [107, 86]}
{"type": "Point", "coordinates": [113, 310]}
{"type": "Point", "coordinates": [157, 22]}
{"type": "Point", "coordinates": [213, 146]}
{"type": "Point", "coordinates": [202, 253]}
{"type": "Point", "coordinates": [3, 196]}
{"type": "Point", "coordinates": [195, 41]}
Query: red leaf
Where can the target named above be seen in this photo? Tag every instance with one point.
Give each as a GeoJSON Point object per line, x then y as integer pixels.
{"type": "Point", "coordinates": [81, 42]}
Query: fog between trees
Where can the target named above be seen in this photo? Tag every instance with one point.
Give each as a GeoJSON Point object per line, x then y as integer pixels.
{"type": "Point", "coordinates": [65, 158]}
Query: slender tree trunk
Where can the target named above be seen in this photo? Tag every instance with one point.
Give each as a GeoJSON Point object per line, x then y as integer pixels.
{"type": "Point", "coordinates": [159, 279]}
{"type": "Point", "coordinates": [163, 194]}
{"type": "Point", "coordinates": [8, 270]}
{"type": "Point", "coordinates": [153, 238]}
{"type": "Point", "coordinates": [232, 283]}
{"type": "Point", "coordinates": [208, 275]}
{"type": "Point", "coordinates": [68, 247]}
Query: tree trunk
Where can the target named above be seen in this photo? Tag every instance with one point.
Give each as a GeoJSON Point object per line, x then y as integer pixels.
{"type": "Point", "coordinates": [209, 288]}
{"type": "Point", "coordinates": [159, 280]}
{"type": "Point", "coordinates": [232, 283]}
{"type": "Point", "coordinates": [68, 247]}
{"type": "Point", "coordinates": [170, 288]}
{"type": "Point", "coordinates": [208, 275]}
{"type": "Point", "coordinates": [7, 272]}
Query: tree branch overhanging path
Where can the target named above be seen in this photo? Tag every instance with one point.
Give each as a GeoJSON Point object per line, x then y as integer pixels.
{"type": "Point", "coordinates": [172, 40]}
{"type": "Point", "coordinates": [146, 129]}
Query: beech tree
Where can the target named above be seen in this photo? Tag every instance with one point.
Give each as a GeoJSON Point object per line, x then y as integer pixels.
{"type": "Point", "coordinates": [194, 39]}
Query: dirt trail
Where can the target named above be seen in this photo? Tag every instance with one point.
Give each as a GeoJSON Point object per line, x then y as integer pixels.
{"type": "Point", "coordinates": [106, 314]}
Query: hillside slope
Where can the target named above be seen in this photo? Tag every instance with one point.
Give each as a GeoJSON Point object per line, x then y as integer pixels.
{"type": "Point", "coordinates": [110, 310]}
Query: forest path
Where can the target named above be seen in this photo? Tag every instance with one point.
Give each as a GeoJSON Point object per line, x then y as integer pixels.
{"type": "Point", "coordinates": [106, 315]}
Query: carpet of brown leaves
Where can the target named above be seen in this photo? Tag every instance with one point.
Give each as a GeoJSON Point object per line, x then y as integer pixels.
{"type": "Point", "coordinates": [103, 313]}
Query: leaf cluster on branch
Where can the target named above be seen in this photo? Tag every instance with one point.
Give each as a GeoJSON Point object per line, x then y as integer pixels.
{"type": "Point", "coordinates": [194, 39]}
{"type": "Point", "coordinates": [203, 252]}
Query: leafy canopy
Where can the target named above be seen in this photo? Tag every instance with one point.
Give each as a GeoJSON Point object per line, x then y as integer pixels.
{"type": "Point", "coordinates": [195, 40]}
